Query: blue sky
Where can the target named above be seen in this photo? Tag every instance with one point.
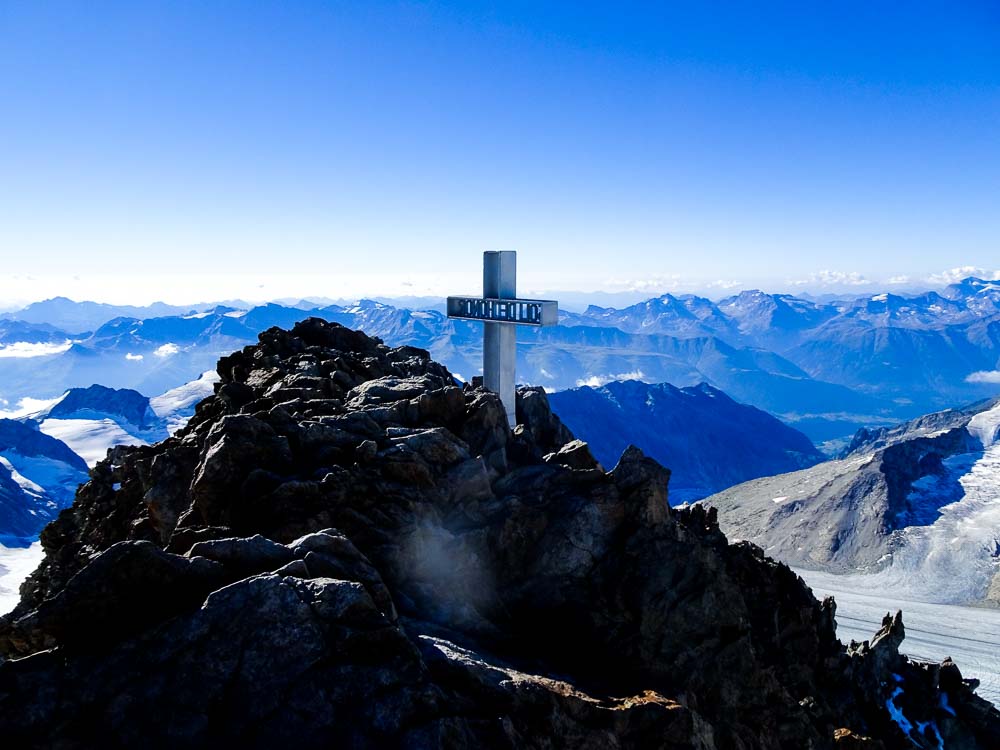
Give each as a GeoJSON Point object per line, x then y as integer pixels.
{"type": "Point", "coordinates": [187, 150]}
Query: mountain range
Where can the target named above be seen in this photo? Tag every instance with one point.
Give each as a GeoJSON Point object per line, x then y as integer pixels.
{"type": "Point", "coordinates": [827, 367]}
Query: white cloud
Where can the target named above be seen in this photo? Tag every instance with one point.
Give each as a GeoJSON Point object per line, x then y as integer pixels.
{"type": "Point", "coordinates": [133, 357]}
{"type": "Point", "coordinates": [897, 280]}
{"type": "Point", "coordinates": [656, 283]}
{"type": "Point", "coordinates": [23, 349]}
{"type": "Point", "coordinates": [954, 275]}
{"type": "Point", "coordinates": [167, 350]}
{"type": "Point", "coordinates": [832, 278]}
{"type": "Point", "coordinates": [725, 284]}
{"type": "Point", "coordinates": [984, 376]}
{"type": "Point", "coordinates": [596, 381]}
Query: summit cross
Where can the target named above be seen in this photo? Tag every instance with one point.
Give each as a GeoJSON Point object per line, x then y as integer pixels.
{"type": "Point", "coordinates": [500, 310]}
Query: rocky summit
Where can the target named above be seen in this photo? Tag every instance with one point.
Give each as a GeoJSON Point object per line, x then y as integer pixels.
{"type": "Point", "coordinates": [344, 549]}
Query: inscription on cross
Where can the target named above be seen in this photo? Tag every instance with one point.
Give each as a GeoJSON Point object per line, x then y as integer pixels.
{"type": "Point", "coordinates": [500, 310]}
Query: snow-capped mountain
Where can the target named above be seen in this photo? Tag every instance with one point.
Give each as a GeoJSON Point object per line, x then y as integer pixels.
{"type": "Point", "coordinates": [775, 320]}
{"type": "Point", "coordinates": [685, 316]}
{"type": "Point", "coordinates": [826, 366]}
{"type": "Point", "coordinates": [706, 439]}
{"type": "Point", "coordinates": [78, 317]}
{"type": "Point", "coordinates": [913, 509]}
{"type": "Point", "coordinates": [39, 475]}
{"type": "Point", "coordinates": [91, 420]}
{"type": "Point", "coordinates": [45, 456]}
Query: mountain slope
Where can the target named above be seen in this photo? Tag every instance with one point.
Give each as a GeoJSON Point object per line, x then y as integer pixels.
{"type": "Point", "coordinates": [709, 441]}
{"type": "Point", "coordinates": [39, 476]}
{"type": "Point", "coordinates": [92, 420]}
{"type": "Point", "coordinates": [343, 549]}
{"type": "Point", "coordinates": [915, 508]}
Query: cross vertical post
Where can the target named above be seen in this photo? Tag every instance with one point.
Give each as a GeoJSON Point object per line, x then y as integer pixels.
{"type": "Point", "coordinates": [500, 311]}
{"type": "Point", "coordinates": [500, 340]}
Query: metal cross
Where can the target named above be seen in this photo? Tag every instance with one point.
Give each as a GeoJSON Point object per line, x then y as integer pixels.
{"type": "Point", "coordinates": [500, 310]}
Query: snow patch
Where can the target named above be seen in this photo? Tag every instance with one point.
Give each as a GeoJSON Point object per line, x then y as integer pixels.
{"type": "Point", "coordinates": [779, 499]}
{"type": "Point", "coordinates": [22, 481]}
{"type": "Point", "coordinates": [89, 438]}
{"type": "Point", "coordinates": [16, 564]}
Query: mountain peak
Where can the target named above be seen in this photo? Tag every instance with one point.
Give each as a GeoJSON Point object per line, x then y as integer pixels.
{"type": "Point", "coordinates": [100, 400]}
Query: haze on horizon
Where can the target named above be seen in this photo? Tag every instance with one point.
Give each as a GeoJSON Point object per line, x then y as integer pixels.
{"type": "Point", "coordinates": [188, 152]}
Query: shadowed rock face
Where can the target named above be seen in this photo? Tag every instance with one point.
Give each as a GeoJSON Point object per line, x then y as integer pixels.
{"type": "Point", "coordinates": [344, 549]}
{"type": "Point", "coordinates": [125, 403]}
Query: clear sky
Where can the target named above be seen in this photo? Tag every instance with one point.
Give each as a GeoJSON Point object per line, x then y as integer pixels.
{"type": "Point", "coordinates": [190, 150]}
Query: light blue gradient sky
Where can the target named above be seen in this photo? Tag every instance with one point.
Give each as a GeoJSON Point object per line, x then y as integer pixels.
{"type": "Point", "coordinates": [379, 147]}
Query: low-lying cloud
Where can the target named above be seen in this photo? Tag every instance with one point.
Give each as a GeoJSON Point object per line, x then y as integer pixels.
{"type": "Point", "coordinates": [23, 349]}
{"type": "Point", "coordinates": [167, 350]}
{"type": "Point", "coordinates": [954, 275]}
{"type": "Point", "coordinates": [984, 376]}
{"type": "Point", "coordinates": [833, 278]}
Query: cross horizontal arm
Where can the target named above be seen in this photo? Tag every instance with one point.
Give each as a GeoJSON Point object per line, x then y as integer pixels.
{"type": "Point", "coordinates": [527, 312]}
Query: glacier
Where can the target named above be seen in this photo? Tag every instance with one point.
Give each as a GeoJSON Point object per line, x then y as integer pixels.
{"type": "Point", "coordinates": [970, 635]}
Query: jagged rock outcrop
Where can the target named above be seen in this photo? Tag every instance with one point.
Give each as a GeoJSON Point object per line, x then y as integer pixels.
{"type": "Point", "coordinates": [345, 549]}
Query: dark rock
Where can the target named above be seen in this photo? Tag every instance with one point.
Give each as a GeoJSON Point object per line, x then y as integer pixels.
{"type": "Point", "coordinates": [576, 455]}
{"type": "Point", "coordinates": [245, 556]}
{"type": "Point", "coordinates": [130, 405]}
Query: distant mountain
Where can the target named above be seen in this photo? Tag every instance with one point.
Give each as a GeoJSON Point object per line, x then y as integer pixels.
{"type": "Point", "coordinates": [684, 316]}
{"type": "Point", "coordinates": [91, 420]}
{"type": "Point", "coordinates": [18, 331]}
{"type": "Point", "coordinates": [707, 440]}
{"type": "Point", "coordinates": [77, 317]}
{"type": "Point", "coordinates": [38, 476]}
{"type": "Point", "coordinates": [776, 320]}
{"type": "Point", "coordinates": [919, 348]}
{"type": "Point", "coordinates": [120, 404]}
{"type": "Point", "coordinates": [913, 508]}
